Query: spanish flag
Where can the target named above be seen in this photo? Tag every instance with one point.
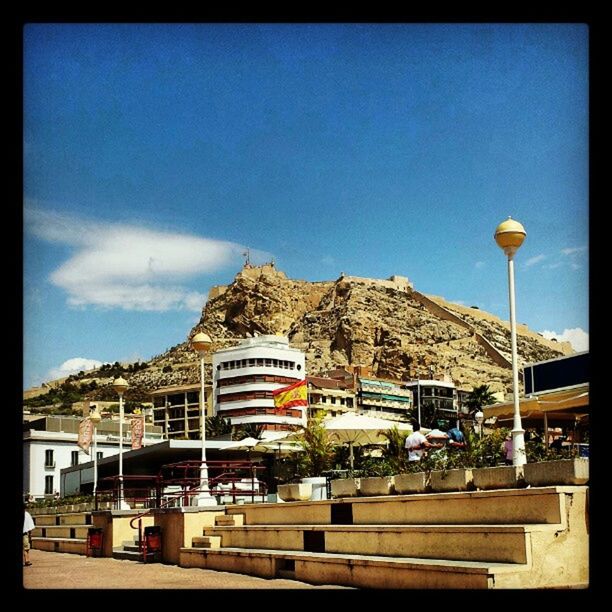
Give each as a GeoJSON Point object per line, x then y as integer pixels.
{"type": "Point", "coordinates": [293, 395]}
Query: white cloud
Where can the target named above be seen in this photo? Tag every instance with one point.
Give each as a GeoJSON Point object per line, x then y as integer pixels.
{"type": "Point", "coordinates": [574, 250]}
{"type": "Point", "coordinates": [576, 336]}
{"type": "Point", "coordinates": [534, 260]}
{"type": "Point", "coordinates": [72, 366]}
{"type": "Point", "coordinates": [131, 267]}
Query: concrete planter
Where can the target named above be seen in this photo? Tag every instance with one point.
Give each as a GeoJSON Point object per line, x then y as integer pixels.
{"type": "Point", "coordinates": [319, 486]}
{"type": "Point", "coordinates": [345, 487]}
{"type": "Point", "coordinates": [561, 472]}
{"type": "Point", "coordinates": [451, 480]}
{"type": "Point", "coordinates": [378, 485]}
{"type": "Point", "coordinates": [295, 492]}
{"type": "Point", "coordinates": [417, 482]}
{"type": "Point", "coordinates": [501, 477]}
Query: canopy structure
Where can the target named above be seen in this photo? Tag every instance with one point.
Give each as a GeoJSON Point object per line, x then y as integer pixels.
{"type": "Point", "coordinates": [359, 430]}
{"type": "Point", "coordinates": [278, 446]}
{"type": "Point", "coordinates": [559, 408]}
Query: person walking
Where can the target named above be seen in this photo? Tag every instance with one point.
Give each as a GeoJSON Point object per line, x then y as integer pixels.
{"type": "Point", "coordinates": [28, 526]}
{"type": "Point", "coordinates": [416, 444]}
{"type": "Point", "coordinates": [456, 439]}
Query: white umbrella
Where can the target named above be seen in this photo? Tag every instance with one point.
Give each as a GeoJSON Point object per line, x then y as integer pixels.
{"type": "Point", "coordinates": [359, 430]}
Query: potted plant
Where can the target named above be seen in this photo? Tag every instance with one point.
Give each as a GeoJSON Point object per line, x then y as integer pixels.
{"type": "Point", "coordinates": [414, 477]}
{"type": "Point", "coordinates": [316, 459]}
{"type": "Point", "coordinates": [486, 456]}
{"type": "Point", "coordinates": [547, 466]}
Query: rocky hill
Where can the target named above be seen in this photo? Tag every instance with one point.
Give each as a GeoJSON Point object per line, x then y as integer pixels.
{"type": "Point", "coordinates": [385, 324]}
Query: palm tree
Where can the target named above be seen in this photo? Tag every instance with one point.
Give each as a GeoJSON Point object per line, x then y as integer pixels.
{"type": "Point", "coordinates": [318, 449]}
{"type": "Point", "coordinates": [479, 397]}
{"type": "Point", "coordinates": [394, 451]}
{"type": "Point", "coordinates": [217, 426]}
{"type": "Point", "coordinates": [248, 430]}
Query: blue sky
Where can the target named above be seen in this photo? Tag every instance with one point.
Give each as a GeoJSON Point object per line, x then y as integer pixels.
{"type": "Point", "coordinates": [154, 154]}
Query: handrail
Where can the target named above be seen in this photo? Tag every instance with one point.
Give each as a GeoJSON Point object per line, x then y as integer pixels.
{"type": "Point", "coordinates": [227, 477]}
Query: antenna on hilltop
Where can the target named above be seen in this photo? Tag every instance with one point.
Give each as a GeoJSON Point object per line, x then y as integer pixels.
{"type": "Point", "coordinates": [247, 258]}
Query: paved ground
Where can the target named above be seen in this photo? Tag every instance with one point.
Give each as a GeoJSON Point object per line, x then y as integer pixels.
{"type": "Point", "coordinates": [51, 570]}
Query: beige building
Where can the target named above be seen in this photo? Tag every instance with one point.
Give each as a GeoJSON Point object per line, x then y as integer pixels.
{"type": "Point", "coordinates": [177, 410]}
{"type": "Point", "coordinates": [329, 397]}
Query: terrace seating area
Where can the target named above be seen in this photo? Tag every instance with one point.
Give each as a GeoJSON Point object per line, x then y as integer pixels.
{"type": "Point", "coordinates": [506, 538]}
{"type": "Point", "coordinates": [62, 529]}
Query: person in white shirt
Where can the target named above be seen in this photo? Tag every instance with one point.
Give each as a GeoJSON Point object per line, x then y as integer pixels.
{"type": "Point", "coordinates": [416, 444]}
{"type": "Point", "coordinates": [28, 526]}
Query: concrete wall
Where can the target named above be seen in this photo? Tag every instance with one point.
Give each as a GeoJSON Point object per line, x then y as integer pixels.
{"type": "Point", "coordinates": [179, 526]}
{"type": "Point", "coordinates": [116, 528]}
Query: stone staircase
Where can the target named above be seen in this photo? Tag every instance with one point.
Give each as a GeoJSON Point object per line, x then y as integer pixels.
{"type": "Point", "coordinates": [130, 551]}
{"type": "Point", "coordinates": [61, 532]}
{"type": "Point", "coordinates": [511, 538]}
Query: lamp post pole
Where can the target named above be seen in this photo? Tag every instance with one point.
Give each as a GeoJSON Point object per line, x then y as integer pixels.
{"type": "Point", "coordinates": [201, 343]}
{"type": "Point", "coordinates": [120, 385]}
{"type": "Point", "coordinates": [509, 235]}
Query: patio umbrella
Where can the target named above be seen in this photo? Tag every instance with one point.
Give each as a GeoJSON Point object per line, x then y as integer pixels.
{"type": "Point", "coordinates": [359, 430]}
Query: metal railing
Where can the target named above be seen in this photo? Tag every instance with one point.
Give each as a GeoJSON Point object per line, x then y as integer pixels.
{"type": "Point", "coordinates": [182, 482]}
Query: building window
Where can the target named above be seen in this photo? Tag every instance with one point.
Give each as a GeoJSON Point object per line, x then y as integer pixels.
{"type": "Point", "coordinates": [74, 458]}
{"type": "Point", "coordinates": [48, 485]}
{"type": "Point", "coordinates": [49, 459]}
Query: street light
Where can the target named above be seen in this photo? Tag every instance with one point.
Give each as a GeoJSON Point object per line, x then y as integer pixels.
{"type": "Point", "coordinates": [479, 416]}
{"type": "Point", "coordinates": [201, 343]}
{"type": "Point", "coordinates": [120, 385]}
{"type": "Point", "coordinates": [95, 418]}
{"type": "Point", "coordinates": [509, 236]}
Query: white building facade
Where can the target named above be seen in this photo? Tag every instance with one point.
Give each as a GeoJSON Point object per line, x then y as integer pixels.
{"type": "Point", "coordinates": [244, 377]}
{"type": "Point", "coordinates": [46, 453]}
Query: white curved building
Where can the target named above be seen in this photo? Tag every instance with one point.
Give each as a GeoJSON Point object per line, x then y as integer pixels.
{"type": "Point", "coordinates": [244, 377]}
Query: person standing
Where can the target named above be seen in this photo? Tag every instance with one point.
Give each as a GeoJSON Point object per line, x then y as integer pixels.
{"type": "Point", "coordinates": [416, 444]}
{"type": "Point", "coordinates": [28, 526]}
{"type": "Point", "coordinates": [507, 446]}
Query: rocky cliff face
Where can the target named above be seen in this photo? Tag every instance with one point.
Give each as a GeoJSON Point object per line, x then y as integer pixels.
{"type": "Point", "coordinates": [396, 331]}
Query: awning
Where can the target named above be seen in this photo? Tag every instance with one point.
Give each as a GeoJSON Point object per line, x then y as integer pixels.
{"type": "Point", "coordinates": [563, 405]}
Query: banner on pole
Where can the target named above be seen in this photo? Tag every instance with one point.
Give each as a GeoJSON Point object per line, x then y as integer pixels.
{"type": "Point", "coordinates": [137, 427]}
{"type": "Point", "coordinates": [85, 434]}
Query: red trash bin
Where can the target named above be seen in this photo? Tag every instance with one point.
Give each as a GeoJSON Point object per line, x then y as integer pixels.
{"type": "Point", "coordinates": [94, 542]}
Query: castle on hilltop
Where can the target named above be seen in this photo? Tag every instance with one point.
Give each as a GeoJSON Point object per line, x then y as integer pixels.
{"type": "Point", "coordinates": [399, 283]}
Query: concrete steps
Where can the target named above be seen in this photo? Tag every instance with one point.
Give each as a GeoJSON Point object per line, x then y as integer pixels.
{"type": "Point", "coordinates": [206, 542]}
{"type": "Point", "coordinates": [130, 551]}
{"type": "Point", "coordinates": [514, 538]}
{"type": "Point", "coordinates": [61, 532]}
{"type": "Point", "coordinates": [363, 571]}
{"type": "Point", "coordinates": [226, 520]}
{"type": "Point", "coordinates": [76, 546]}
{"type": "Point", "coordinates": [499, 543]}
